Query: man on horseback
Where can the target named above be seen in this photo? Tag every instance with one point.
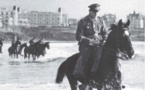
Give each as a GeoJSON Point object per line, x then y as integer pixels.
{"type": "Point", "coordinates": [16, 43]}
{"type": "Point", "coordinates": [15, 40]}
{"type": "Point", "coordinates": [91, 35]}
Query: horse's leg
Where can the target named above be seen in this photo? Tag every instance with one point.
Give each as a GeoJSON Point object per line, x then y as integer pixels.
{"type": "Point", "coordinates": [72, 82]}
{"type": "Point", "coordinates": [33, 56]}
{"type": "Point", "coordinates": [118, 81]}
{"type": "Point", "coordinates": [17, 55]}
{"type": "Point", "coordinates": [14, 55]}
{"type": "Point", "coordinates": [118, 78]}
{"type": "Point", "coordinates": [38, 56]}
{"type": "Point", "coordinates": [25, 55]}
{"type": "Point", "coordinates": [29, 56]}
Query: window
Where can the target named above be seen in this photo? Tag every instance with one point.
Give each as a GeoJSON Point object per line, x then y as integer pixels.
{"type": "Point", "coordinates": [6, 13]}
{"type": "Point", "coordinates": [6, 20]}
{"type": "Point", "coordinates": [11, 13]}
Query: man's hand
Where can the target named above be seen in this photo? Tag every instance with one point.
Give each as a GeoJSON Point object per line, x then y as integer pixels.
{"type": "Point", "coordinates": [98, 37]}
{"type": "Point", "coordinates": [93, 42]}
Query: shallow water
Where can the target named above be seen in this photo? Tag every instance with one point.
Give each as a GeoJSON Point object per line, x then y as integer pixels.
{"type": "Point", "coordinates": [21, 74]}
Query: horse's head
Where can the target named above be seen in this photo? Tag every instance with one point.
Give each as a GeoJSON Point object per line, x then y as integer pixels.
{"type": "Point", "coordinates": [122, 38]}
{"type": "Point", "coordinates": [124, 42]}
{"type": "Point", "coordinates": [47, 45]}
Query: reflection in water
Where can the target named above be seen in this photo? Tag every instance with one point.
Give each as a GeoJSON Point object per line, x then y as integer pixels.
{"type": "Point", "coordinates": [24, 72]}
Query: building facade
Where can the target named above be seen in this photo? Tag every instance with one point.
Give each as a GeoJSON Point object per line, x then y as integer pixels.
{"type": "Point", "coordinates": [17, 17]}
{"type": "Point", "coordinates": [10, 17]}
{"type": "Point", "coordinates": [109, 19]}
{"type": "Point", "coordinates": [45, 18]}
{"type": "Point", "coordinates": [137, 21]}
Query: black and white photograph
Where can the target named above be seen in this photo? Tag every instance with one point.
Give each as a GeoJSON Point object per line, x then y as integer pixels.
{"type": "Point", "coordinates": [72, 45]}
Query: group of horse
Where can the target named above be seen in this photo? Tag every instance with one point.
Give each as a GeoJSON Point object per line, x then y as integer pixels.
{"type": "Point", "coordinates": [35, 50]}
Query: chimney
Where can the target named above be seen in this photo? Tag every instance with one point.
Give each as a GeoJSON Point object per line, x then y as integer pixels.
{"type": "Point", "coordinates": [18, 9]}
{"type": "Point", "coordinates": [59, 9]}
{"type": "Point", "coordinates": [14, 8]}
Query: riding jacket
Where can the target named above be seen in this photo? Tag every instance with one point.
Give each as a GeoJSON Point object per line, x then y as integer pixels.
{"type": "Point", "coordinates": [90, 29]}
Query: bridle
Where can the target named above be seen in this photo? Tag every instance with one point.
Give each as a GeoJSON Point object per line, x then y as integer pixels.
{"type": "Point", "coordinates": [117, 52]}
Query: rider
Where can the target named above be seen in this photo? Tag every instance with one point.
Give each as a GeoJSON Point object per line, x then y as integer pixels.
{"type": "Point", "coordinates": [32, 41]}
{"type": "Point", "coordinates": [16, 41]}
{"type": "Point", "coordinates": [91, 35]}
{"type": "Point", "coordinates": [41, 41]}
{"type": "Point", "coordinates": [1, 44]}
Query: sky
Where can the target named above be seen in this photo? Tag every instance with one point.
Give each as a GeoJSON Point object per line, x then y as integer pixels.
{"type": "Point", "coordinates": [79, 8]}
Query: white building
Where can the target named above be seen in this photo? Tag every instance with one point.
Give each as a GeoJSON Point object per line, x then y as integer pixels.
{"type": "Point", "coordinates": [17, 17]}
{"type": "Point", "coordinates": [10, 17]}
{"type": "Point", "coordinates": [46, 18]}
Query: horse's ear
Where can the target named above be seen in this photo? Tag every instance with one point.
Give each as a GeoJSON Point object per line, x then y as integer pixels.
{"type": "Point", "coordinates": [120, 23]}
{"type": "Point", "coordinates": [128, 23]}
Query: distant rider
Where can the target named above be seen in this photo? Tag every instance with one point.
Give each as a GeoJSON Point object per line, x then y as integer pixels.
{"type": "Point", "coordinates": [1, 44]}
{"type": "Point", "coordinates": [32, 41]}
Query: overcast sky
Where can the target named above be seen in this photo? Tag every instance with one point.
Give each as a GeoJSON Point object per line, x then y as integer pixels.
{"type": "Point", "coordinates": [79, 8]}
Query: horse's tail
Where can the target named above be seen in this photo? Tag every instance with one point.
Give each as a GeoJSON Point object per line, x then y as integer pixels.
{"type": "Point", "coordinates": [61, 73]}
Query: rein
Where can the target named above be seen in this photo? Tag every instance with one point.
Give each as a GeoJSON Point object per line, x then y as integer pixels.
{"type": "Point", "coordinates": [119, 54]}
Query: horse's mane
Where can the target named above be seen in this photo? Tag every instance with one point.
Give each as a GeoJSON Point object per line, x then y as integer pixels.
{"type": "Point", "coordinates": [111, 36]}
{"type": "Point", "coordinates": [47, 42]}
{"type": "Point", "coordinates": [113, 27]}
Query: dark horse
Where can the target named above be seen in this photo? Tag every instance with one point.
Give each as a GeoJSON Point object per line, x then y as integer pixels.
{"type": "Point", "coordinates": [41, 49]}
{"type": "Point", "coordinates": [14, 49]}
{"type": "Point", "coordinates": [108, 75]}
{"type": "Point", "coordinates": [35, 50]}
{"type": "Point", "coordinates": [21, 48]}
{"type": "Point", "coordinates": [31, 50]}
